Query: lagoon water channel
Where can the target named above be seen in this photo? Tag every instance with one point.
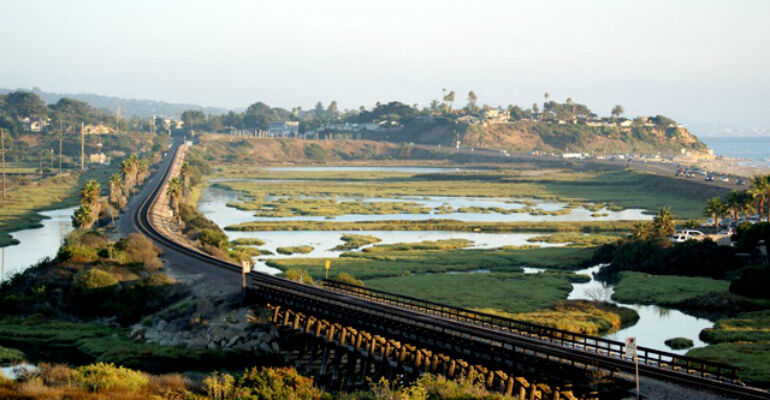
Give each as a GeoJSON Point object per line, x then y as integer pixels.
{"type": "Point", "coordinates": [36, 243]}
{"type": "Point", "coordinates": [655, 325]}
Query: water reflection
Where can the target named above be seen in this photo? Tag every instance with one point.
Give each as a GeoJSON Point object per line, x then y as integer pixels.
{"type": "Point", "coordinates": [656, 324]}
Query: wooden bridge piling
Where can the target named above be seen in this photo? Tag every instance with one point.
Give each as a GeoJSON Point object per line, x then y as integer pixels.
{"type": "Point", "coordinates": [342, 355]}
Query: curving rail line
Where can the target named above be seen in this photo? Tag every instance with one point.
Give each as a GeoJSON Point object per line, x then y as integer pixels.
{"type": "Point", "coordinates": [476, 330]}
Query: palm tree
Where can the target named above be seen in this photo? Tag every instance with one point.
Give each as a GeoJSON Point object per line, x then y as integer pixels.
{"type": "Point", "coordinates": [185, 172]}
{"type": "Point", "coordinates": [760, 189]}
{"type": "Point", "coordinates": [715, 209]}
{"type": "Point", "coordinates": [174, 192]}
{"type": "Point", "coordinates": [450, 98]}
{"type": "Point", "coordinates": [142, 168]}
{"type": "Point", "coordinates": [748, 206]}
{"type": "Point", "coordinates": [90, 196]}
{"type": "Point", "coordinates": [472, 98]}
{"type": "Point", "coordinates": [83, 217]}
{"type": "Point", "coordinates": [129, 168]}
{"type": "Point", "coordinates": [641, 230]}
{"type": "Point", "coordinates": [664, 223]}
{"type": "Point", "coordinates": [116, 181]}
{"type": "Point", "coordinates": [616, 111]}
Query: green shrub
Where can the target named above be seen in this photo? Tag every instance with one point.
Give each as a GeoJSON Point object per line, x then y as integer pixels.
{"type": "Point", "coordinates": [219, 386]}
{"type": "Point", "coordinates": [348, 278]}
{"type": "Point", "coordinates": [10, 355]}
{"type": "Point", "coordinates": [93, 278]}
{"type": "Point", "coordinates": [753, 283]}
{"type": "Point", "coordinates": [78, 253]}
{"type": "Point", "coordinates": [101, 376]}
{"type": "Point", "coordinates": [299, 275]}
{"type": "Point", "coordinates": [138, 249]}
{"type": "Point", "coordinates": [276, 384]}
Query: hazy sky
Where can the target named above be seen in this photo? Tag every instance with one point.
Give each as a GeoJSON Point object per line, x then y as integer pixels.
{"type": "Point", "coordinates": [693, 60]}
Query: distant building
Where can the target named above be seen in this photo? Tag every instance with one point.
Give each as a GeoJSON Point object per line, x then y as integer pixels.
{"type": "Point", "coordinates": [493, 116]}
{"type": "Point", "coordinates": [96, 129]}
{"type": "Point", "coordinates": [34, 124]}
{"type": "Point", "coordinates": [98, 158]}
{"type": "Point", "coordinates": [283, 129]}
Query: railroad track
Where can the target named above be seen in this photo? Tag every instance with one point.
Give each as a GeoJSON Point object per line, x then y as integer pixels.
{"type": "Point", "coordinates": [477, 330]}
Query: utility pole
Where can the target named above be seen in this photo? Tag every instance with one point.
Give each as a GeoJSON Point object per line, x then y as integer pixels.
{"type": "Point", "coordinates": [60, 140]}
{"type": "Point", "coordinates": [82, 147]}
{"type": "Point", "coordinates": [2, 154]}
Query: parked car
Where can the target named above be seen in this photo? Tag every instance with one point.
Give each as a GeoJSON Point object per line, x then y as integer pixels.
{"type": "Point", "coordinates": [687, 234]}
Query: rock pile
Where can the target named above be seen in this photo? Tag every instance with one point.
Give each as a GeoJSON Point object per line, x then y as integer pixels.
{"type": "Point", "coordinates": [213, 324]}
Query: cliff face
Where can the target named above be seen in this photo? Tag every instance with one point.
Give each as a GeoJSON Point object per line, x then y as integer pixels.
{"type": "Point", "coordinates": [526, 136]}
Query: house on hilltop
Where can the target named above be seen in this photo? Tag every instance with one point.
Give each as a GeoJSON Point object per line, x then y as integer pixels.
{"type": "Point", "coordinates": [96, 129]}
{"type": "Point", "coordinates": [283, 129]}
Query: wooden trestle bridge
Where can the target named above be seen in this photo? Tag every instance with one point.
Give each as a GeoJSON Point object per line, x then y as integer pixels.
{"type": "Point", "coordinates": [349, 332]}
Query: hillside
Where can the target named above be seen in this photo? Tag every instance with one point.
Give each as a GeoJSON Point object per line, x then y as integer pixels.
{"type": "Point", "coordinates": [131, 107]}
{"type": "Point", "coordinates": [526, 136]}
{"type": "Point", "coordinates": [248, 150]}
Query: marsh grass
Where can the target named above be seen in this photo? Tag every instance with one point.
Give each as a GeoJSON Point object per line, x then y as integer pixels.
{"type": "Point", "coordinates": [288, 250]}
{"type": "Point", "coordinates": [593, 188]}
{"type": "Point", "coordinates": [444, 244]}
{"type": "Point", "coordinates": [437, 225]}
{"type": "Point", "coordinates": [579, 316]}
{"type": "Point", "coordinates": [509, 292]}
{"type": "Point", "coordinates": [353, 241]}
{"type": "Point", "coordinates": [641, 288]}
{"type": "Point", "coordinates": [368, 265]}
{"type": "Point", "coordinates": [750, 356]}
{"type": "Point", "coordinates": [577, 239]}
{"type": "Point", "coordinates": [679, 343]}
{"type": "Point", "coordinates": [247, 242]}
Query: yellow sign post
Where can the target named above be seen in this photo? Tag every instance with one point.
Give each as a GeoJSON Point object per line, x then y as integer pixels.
{"type": "Point", "coordinates": [327, 265]}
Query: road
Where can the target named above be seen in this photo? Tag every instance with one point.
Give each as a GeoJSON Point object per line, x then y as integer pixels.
{"type": "Point", "coordinates": [652, 167]}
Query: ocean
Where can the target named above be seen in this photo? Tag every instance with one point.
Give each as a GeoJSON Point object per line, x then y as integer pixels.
{"type": "Point", "coordinates": [756, 150]}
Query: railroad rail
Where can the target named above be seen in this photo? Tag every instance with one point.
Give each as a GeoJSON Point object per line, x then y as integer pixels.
{"type": "Point", "coordinates": [497, 340]}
